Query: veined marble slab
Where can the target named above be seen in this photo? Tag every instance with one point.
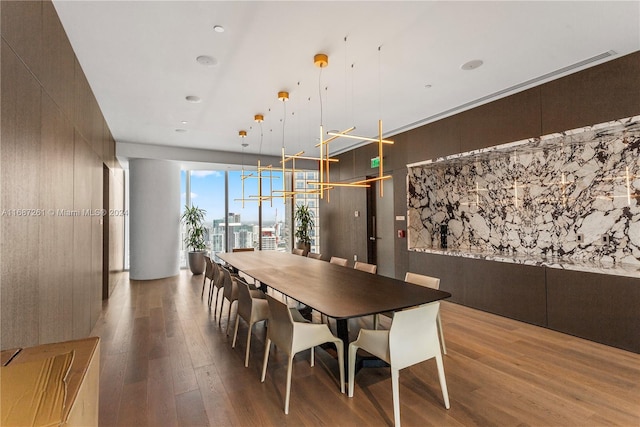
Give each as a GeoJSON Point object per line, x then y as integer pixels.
{"type": "Point", "coordinates": [572, 195]}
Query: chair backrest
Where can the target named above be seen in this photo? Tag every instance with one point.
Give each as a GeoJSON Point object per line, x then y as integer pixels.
{"type": "Point", "coordinates": [244, 299]}
{"type": "Point", "coordinates": [230, 291]}
{"type": "Point", "coordinates": [297, 251]}
{"type": "Point", "coordinates": [280, 329]}
{"type": "Point", "coordinates": [314, 255]}
{"type": "Point", "coordinates": [242, 249]}
{"type": "Point", "coordinates": [218, 275]}
{"type": "Point", "coordinates": [209, 272]}
{"type": "Point", "coordinates": [338, 261]}
{"type": "Point", "coordinates": [363, 266]}
{"type": "Point", "coordinates": [413, 336]}
{"type": "Point", "coordinates": [422, 280]}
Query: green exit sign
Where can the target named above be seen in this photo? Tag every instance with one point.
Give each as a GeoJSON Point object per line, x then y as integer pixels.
{"type": "Point", "coordinates": [375, 162]}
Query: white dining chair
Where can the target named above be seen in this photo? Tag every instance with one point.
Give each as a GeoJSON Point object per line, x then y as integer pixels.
{"type": "Point", "coordinates": [363, 266]}
{"type": "Point", "coordinates": [217, 286]}
{"type": "Point", "coordinates": [291, 333]}
{"type": "Point", "coordinates": [338, 261]}
{"type": "Point", "coordinates": [253, 308]}
{"type": "Point", "coordinates": [208, 274]}
{"type": "Point", "coordinates": [433, 283]}
{"type": "Point", "coordinates": [368, 268]}
{"type": "Point", "coordinates": [229, 293]}
{"type": "Point", "coordinates": [412, 338]}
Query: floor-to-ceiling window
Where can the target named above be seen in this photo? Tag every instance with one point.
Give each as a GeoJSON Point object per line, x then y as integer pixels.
{"type": "Point", "coordinates": [307, 197]}
{"type": "Point", "coordinates": [206, 190]}
{"type": "Point", "coordinates": [237, 216]}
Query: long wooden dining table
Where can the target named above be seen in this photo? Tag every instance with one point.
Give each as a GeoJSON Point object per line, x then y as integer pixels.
{"type": "Point", "coordinates": [338, 292]}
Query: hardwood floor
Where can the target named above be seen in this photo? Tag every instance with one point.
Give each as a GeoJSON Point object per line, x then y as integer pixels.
{"type": "Point", "coordinates": [165, 362]}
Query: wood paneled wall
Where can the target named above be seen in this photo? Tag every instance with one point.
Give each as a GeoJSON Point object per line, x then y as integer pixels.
{"type": "Point", "coordinates": [605, 92]}
{"type": "Point", "coordinates": [602, 93]}
{"type": "Point", "coordinates": [54, 143]}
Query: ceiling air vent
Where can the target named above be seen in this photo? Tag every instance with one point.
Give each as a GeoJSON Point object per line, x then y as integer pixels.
{"type": "Point", "coordinates": [509, 90]}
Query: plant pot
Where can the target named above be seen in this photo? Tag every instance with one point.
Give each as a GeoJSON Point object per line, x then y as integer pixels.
{"type": "Point", "coordinates": [197, 264]}
{"type": "Point", "coordinates": [306, 247]}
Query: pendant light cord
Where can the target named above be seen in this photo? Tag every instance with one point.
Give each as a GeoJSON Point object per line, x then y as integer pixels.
{"type": "Point", "coordinates": [320, 94]}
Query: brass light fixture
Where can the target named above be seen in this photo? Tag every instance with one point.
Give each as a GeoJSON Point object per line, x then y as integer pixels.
{"type": "Point", "coordinates": [321, 60]}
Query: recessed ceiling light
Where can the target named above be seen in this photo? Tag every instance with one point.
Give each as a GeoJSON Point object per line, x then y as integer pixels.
{"type": "Point", "coordinates": [184, 122]}
{"type": "Point", "coordinates": [193, 98]}
{"type": "Point", "coordinates": [181, 130]}
{"type": "Point", "coordinates": [427, 86]}
{"type": "Point", "coordinates": [472, 65]}
{"type": "Point", "coordinates": [218, 28]}
{"type": "Point", "coordinates": [207, 60]}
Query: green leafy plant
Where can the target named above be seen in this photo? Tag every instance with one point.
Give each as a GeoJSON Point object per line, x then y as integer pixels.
{"type": "Point", "coordinates": [304, 223]}
{"type": "Point", "coordinates": [193, 218]}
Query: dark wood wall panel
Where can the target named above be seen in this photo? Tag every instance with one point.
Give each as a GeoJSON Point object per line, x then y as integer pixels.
{"type": "Point", "coordinates": [95, 294]}
{"type": "Point", "coordinates": [82, 237]}
{"type": "Point", "coordinates": [19, 157]}
{"type": "Point", "coordinates": [508, 119]}
{"type": "Point", "coordinates": [88, 116]}
{"type": "Point", "coordinates": [21, 23]}
{"type": "Point", "coordinates": [596, 307]}
{"type": "Point", "coordinates": [55, 275]}
{"type": "Point", "coordinates": [54, 142]}
{"type": "Point", "coordinates": [447, 268]}
{"type": "Point", "coordinates": [438, 139]}
{"type": "Point", "coordinates": [332, 235]}
{"type": "Point", "coordinates": [116, 226]}
{"type": "Point", "coordinates": [400, 209]}
{"type": "Point", "coordinates": [58, 61]}
{"type": "Point", "coordinates": [606, 92]}
{"type": "Point", "coordinates": [511, 290]}
{"type": "Point", "coordinates": [108, 147]}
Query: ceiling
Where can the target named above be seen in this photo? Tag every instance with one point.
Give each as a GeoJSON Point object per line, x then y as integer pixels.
{"type": "Point", "coordinates": [401, 62]}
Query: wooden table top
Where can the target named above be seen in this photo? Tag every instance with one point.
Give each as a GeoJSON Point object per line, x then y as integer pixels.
{"type": "Point", "coordinates": [244, 261]}
{"type": "Point", "coordinates": [339, 292]}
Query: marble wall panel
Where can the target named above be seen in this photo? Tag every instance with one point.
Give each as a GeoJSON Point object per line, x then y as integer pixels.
{"type": "Point", "coordinates": [574, 195]}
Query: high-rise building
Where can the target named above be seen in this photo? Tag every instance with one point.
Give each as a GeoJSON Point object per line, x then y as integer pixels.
{"type": "Point", "coordinates": [312, 201]}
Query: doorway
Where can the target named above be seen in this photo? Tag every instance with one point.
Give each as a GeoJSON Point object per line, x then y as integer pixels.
{"type": "Point", "coordinates": [380, 227]}
{"type": "Point", "coordinates": [105, 232]}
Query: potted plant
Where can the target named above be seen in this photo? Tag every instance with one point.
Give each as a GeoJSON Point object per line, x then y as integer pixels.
{"type": "Point", "coordinates": [304, 226]}
{"type": "Point", "coordinates": [193, 218]}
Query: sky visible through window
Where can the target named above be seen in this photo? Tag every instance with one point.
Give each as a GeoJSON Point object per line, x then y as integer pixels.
{"type": "Point", "coordinates": [207, 192]}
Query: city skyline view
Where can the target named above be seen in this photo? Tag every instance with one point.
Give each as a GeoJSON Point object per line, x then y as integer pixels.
{"type": "Point", "coordinates": [208, 193]}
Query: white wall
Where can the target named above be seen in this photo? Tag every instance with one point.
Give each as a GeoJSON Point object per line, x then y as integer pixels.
{"type": "Point", "coordinates": [154, 200]}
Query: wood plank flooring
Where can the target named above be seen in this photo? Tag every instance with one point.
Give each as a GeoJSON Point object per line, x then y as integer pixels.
{"type": "Point", "coordinates": [165, 362]}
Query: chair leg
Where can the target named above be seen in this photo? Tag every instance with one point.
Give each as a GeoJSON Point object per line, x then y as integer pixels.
{"type": "Point", "coordinates": [376, 319]}
{"type": "Point", "coordinates": [443, 381]}
{"type": "Point", "coordinates": [246, 355]}
{"type": "Point", "coordinates": [444, 347]}
{"type": "Point", "coordinates": [229, 316]}
{"type": "Point", "coordinates": [210, 292]}
{"type": "Point", "coordinates": [215, 310]}
{"type": "Point", "coordinates": [340, 348]}
{"type": "Point", "coordinates": [353, 349]}
{"type": "Point", "coordinates": [267, 346]}
{"type": "Point", "coordinates": [235, 331]}
{"type": "Point", "coordinates": [203, 283]}
{"type": "Point", "coordinates": [220, 315]}
{"type": "Point", "coordinates": [395, 375]}
{"type": "Point", "coordinates": [288, 392]}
